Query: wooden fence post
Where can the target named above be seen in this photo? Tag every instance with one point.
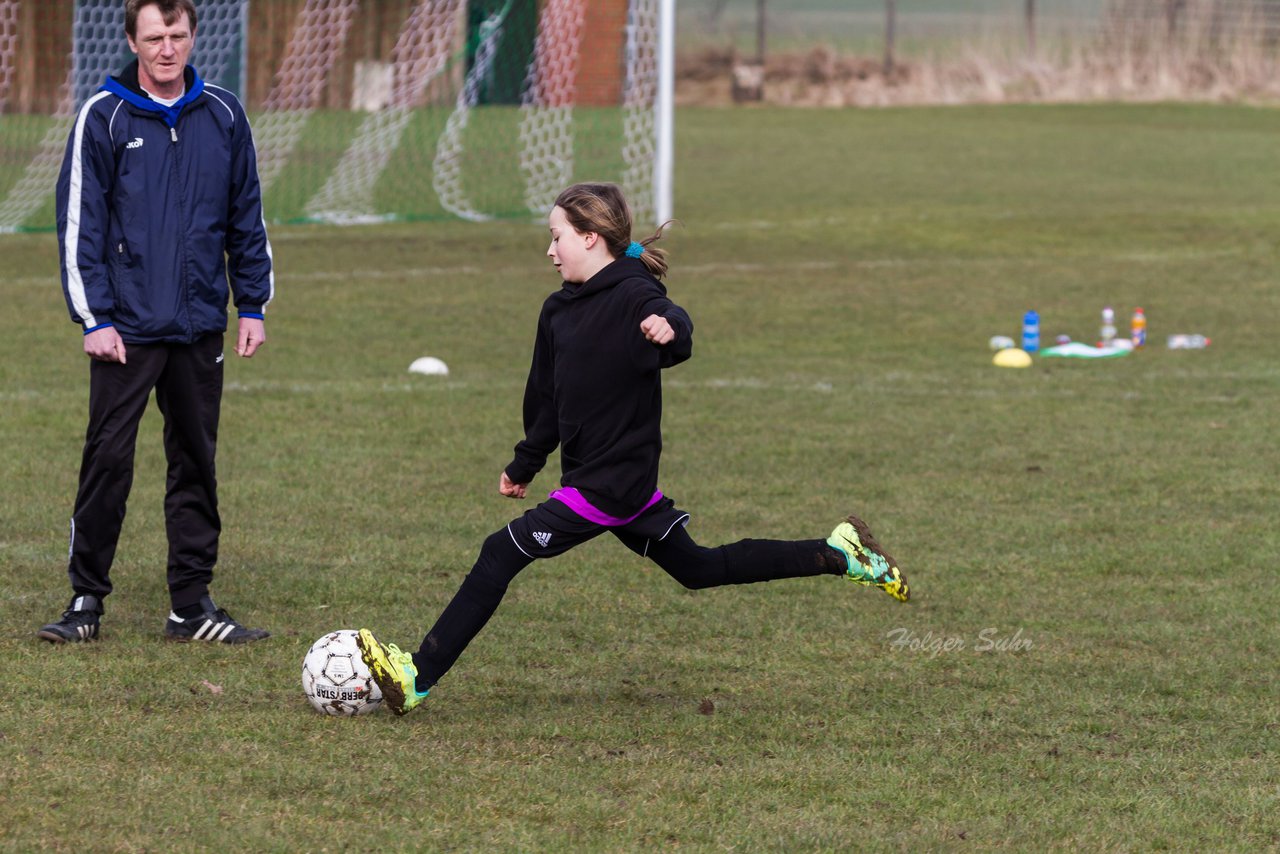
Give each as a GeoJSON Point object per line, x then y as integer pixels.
{"type": "Point", "coordinates": [1031, 28]}
{"type": "Point", "coordinates": [761, 29]}
{"type": "Point", "coordinates": [890, 27]}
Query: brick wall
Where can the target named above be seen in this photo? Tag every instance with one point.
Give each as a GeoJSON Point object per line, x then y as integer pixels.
{"type": "Point", "coordinates": [601, 67]}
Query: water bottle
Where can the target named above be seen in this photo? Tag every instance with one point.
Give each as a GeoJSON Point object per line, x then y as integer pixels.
{"type": "Point", "coordinates": [1188, 342]}
{"type": "Point", "coordinates": [1138, 329]}
{"type": "Point", "coordinates": [1107, 334]}
{"type": "Point", "coordinates": [1031, 332]}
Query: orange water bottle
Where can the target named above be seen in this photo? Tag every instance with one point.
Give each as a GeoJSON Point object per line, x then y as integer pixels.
{"type": "Point", "coordinates": [1138, 329]}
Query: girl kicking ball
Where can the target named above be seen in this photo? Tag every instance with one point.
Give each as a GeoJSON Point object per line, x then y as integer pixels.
{"type": "Point", "coordinates": [595, 391]}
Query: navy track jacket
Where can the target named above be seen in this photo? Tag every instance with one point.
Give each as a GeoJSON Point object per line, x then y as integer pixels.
{"type": "Point", "coordinates": [159, 208]}
{"type": "Point", "coordinates": [595, 387]}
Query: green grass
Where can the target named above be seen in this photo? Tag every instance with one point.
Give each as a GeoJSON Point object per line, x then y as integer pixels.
{"type": "Point", "coordinates": [489, 171]}
{"type": "Point", "coordinates": [1112, 522]}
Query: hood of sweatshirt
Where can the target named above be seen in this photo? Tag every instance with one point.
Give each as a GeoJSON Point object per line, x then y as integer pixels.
{"type": "Point", "coordinates": [613, 273]}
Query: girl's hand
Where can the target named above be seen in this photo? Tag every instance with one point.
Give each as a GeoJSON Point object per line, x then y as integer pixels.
{"type": "Point", "coordinates": [657, 331]}
{"type": "Point", "coordinates": [510, 489]}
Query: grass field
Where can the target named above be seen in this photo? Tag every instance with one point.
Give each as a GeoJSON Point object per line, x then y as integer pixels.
{"type": "Point", "coordinates": [488, 164]}
{"type": "Point", "coordinates": [1089, 661]}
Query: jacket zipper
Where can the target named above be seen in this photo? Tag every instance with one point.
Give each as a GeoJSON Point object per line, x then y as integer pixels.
{"type": "Point", "coordinates": [182, 219]}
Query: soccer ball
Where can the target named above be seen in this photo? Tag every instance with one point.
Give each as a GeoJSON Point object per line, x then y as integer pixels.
{"type": "Point", "coordinates": [336, 679]}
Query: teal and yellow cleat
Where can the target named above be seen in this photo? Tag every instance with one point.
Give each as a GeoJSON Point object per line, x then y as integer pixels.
{"type": "Point", "coordinates": [393, 670]}
{"type": "Point", "coordinates": [868, 563]}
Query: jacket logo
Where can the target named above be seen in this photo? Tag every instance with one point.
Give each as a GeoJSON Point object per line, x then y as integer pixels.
{"type": "Point", "coordinates": [218, 361]}
{"type": "Point", "coordinates": [136, 142]}
{"type": "Point", "coordinates": [542, 537]}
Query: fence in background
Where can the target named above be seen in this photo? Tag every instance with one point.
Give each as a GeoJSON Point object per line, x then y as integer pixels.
{"type": "Point", "coordinates": [854, 52]}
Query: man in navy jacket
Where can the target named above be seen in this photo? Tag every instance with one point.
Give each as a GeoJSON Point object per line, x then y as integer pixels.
{"type": "Point", "coordinates": [159, 225]}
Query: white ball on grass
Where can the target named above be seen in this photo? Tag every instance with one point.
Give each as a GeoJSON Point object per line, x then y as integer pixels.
{"type": "Point", "coordinates": [336, 679]}
{"type": "Point", "coordinates": [430, 366]}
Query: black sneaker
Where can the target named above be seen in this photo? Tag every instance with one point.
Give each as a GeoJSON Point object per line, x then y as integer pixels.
{"type": "Point", "coordinates": [214, 625]}
{"type": "Point", "coordinates": [79, 622]}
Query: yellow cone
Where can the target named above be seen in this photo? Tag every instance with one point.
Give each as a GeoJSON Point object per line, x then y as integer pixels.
{"type": "Point", "coordinates": [1012, 357]}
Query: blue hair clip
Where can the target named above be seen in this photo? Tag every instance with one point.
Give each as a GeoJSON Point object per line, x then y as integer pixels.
{"type": "Point", "coordinates": [635, 250]}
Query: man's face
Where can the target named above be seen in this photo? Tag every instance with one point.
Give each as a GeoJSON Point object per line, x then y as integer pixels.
{"type": "Point", "coordinates": [163, 50]}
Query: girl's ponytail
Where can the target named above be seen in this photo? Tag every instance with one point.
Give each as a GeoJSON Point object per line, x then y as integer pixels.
{"type": "Point", "coordinates": [653, 258]}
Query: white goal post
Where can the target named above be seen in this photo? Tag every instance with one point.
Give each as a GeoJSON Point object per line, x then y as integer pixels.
{"type": "Point", "coordinates": [378, 110]}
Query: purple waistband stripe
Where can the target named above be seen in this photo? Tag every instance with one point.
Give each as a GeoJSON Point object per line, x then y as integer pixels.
{"type": "Point", "coordinates": [577, 502]}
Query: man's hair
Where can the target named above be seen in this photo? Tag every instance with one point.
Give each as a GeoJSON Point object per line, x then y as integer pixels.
{"type": "Point", "coordinates": [171, 10]}
{"type": "Point", "coordinates": [603, 208]}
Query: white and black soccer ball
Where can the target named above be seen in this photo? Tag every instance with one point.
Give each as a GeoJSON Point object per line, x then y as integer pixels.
{"type": "Point", "coordinates": [335, 678]}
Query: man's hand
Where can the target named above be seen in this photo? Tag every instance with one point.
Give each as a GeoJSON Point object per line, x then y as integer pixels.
{"type": "Point", "coordinates": [511, 489]}
{"type": "Point", "coordinates": [657, 331]}
{"type": "Point", "coordinates": [105, 345]}
{"type": "Point", "coordinates": [252, 335]}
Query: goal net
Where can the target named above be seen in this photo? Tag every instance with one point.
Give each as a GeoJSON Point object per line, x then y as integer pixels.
{"type": "Point", "coordinates": [374, 110]}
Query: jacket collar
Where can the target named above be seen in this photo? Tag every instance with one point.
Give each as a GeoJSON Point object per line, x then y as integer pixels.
{"type": "Point", "coordinates": [126, 86]}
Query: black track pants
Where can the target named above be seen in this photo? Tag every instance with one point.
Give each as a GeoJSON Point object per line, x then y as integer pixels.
{"type": "Point", "coordinates": [187, 379]}
{"type": "Point", "coordinates": [694, 566]}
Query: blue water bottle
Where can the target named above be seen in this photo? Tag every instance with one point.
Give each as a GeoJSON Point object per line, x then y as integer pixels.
{"type": "Point", "coordinates": [1031, 332]}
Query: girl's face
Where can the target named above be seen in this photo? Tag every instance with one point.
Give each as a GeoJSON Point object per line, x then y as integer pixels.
{"type": "Point", "coordinates": [571, 250]}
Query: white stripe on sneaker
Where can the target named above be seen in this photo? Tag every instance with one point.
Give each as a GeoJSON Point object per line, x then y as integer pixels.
{"type": "Point", "coordinates": [199, 635]}
{"type": "Point", "coordinates": [225, 632]}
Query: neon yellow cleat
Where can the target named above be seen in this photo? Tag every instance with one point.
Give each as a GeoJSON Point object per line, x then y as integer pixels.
{"type": "Point", "coordinates": [868, 563]}
{"type": "Point", "coordinates": [394, 672]}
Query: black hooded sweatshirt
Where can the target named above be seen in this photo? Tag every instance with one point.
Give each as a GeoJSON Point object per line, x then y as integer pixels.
{"type": "Point", "coordinates": [595, 390]}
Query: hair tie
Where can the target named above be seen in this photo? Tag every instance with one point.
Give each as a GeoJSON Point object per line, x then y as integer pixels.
{"type": "Point", "coordinates": [635, 250]}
